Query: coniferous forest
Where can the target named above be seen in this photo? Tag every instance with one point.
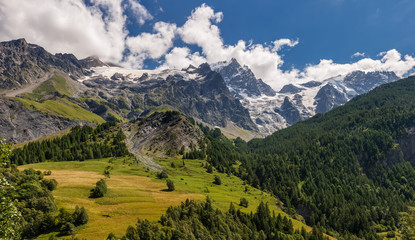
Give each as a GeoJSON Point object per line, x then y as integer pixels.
{"type": "Point", "coordinates": [80, 144]}
{"type": "Point", "coordinates": [199, 220]}
{"type": "Point", "coordinates": [344, 170]}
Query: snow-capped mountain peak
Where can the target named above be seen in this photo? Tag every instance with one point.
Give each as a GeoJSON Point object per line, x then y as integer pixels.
{"type": "Point", "coordinates": [272, 111]}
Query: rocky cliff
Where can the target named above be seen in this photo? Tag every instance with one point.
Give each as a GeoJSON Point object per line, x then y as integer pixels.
{"type": "Point", "coordinates": [20, 124]}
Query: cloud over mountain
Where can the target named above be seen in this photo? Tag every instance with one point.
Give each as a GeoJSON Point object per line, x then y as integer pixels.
{"type": "Point", "coordinates": [100, 28]}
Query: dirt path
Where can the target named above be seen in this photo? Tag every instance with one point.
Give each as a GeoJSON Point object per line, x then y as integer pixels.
{"type": "Point", "coordinates": [29, 87]}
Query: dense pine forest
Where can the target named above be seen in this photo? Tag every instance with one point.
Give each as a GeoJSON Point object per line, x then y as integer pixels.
{"type": "Point", "coordinates": [199, 220]}
{"type": "Point", "coordinates": [80, 144]}
{"type": "Point", "coordinates": [343, 171]}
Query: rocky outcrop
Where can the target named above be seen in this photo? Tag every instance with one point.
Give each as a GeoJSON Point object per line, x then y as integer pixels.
{"type": "Point", "coordinates": [328, 97]}
{"type": "Point", "coordinates": [161, 134]}
{"type": "Point", "coordinates": [19, 124]}
{"type": "Point", "coordinates": [363, 82]}
{"type": "Point", "coordinates": [21, 63]}
{"type": "Point", "coordinates": [241, 80]}
{"type": "Point", "coordinates": [289, 88]}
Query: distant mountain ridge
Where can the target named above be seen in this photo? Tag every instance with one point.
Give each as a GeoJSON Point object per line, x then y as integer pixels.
{"type": "Point", "coordinates": [272, 110]}
{"type": "Point", "coordinates": [216, 94]}
{"type": "Point", "coordinates": [115, 93]}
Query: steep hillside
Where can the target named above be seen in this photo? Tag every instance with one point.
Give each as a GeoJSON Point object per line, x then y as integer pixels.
{"type": "Point", "coordinates": [20, 124]}
{"type": "Point", "coordinates": [348, 170]}
{"type": "Point", "coordinates": [161, 134]}
{"type": "Point", "coordinates": [22, 63]}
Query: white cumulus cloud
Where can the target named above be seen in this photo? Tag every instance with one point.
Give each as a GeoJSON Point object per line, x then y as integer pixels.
{"type": "Point", "coordinates": [141, 14]}
{"type": "Point", "coordinates": [100, 29]}
{"type": "Point", "coordinates": [67, 26]}
{"type": "Point", "coordinates": [150, 45]}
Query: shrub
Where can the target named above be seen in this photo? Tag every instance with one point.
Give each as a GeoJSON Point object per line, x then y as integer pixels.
{"type": "Point", "coordinates": [80, 216]}
{"type": "Point", "coordinates": [162, 175]}
{"type": "Point", "coordinates": [50, 184]}
{"type": "Point", "coordinates": [111, 236]}
{"type": "Point", "coordinates": [100, 189]}
{"type": "Point", "coordinates": [67, 229]}
{"type": "Point", "coordinates": [243, 202]}
{"type": "Point", "coordinates": [170, 185]}
{"type": "Point", "coordinates": [217, 180]}
{"type": "Point", "coordinates": [209, 169]}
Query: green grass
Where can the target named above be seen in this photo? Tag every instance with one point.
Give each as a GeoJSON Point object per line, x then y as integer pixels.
{"type": "Point", "coordinates": [136, 192]}
{"type": "Point", "coordinates": [56, 84]}
{"type": "Point", "coordinates": [43, 99]}
{"type": "Point", "coordinates": [63, 108]}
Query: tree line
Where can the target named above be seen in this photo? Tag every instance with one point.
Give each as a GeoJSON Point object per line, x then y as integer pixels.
{"type": "Point", "coordinates": [199, 220]}
{"type": "Point", "coordinates": [80, 144]}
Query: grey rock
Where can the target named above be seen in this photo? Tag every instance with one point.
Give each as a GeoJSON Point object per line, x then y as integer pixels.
{"type": "Point", "coordinates": [19, 124]}
{"type": "Point", "coordinates": [328, 97]}
{"type": "Point", "coordinates": [21, 63]}
{"type": "Point", "coordinates": [241, 80]}
{"type": "Point", "coordinates": [290, 88]}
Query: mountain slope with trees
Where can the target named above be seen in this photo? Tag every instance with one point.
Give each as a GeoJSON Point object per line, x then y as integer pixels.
{"type": "Point", "coordinates": [350, 170]}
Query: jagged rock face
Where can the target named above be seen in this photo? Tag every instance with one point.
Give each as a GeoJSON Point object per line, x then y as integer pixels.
{"type": "Point", "coordinates": [328, 97]}
{"type": "Point", "coordinates": [290, 89]}
{"type": "Point", "coordinates": [289, 111]}
{"type": "Point", "coordinates": [21, 63]}
{"type": "Point", "coordinates": [363, 82]}
{"type": "Point", "coordinates": [241, 80]}
{"type": "Point", "coordinates": [19, 124]}
{"type": "Point", "coordinates": [163, 132]}
{"type": "Point", "coordinates": [91, 62]}
{"type": "Point", "coordinates": [197, 92]}
{"type": "Point", "coordinates": [311, 84]}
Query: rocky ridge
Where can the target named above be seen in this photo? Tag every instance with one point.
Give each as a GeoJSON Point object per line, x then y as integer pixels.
{"type": "Point", "coordinates": [273, 111]}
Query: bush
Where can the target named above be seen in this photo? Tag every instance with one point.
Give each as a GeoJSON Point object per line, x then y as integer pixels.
{"type": "Point", "coordinates": [209, 169]}
{"type": "Point", "coordinates": [390, 234]}
{"type": "Point", "coordinates": [217, 180]}
{"type": "Point", "coordinates": [100, 189]}
{"type": "Point", "coordinates": [170, 185]}
{"type": "Point", "coordinates": [162, 175]}
{"type": "Point", "coordinates": [111, 236]}
{"type": "Point", "coordinates": [80, 216]}
{"type": "Point", "coordinates": [243, 202]}
{"type": "Point", "coordinates": [67, 229]}
{"type": "Point", "coordinates": [50, 184]}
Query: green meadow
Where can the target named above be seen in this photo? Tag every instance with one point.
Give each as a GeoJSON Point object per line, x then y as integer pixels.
{"type": "Point", "coordinates": [134, 192]}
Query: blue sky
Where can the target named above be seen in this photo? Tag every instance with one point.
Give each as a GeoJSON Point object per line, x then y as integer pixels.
{"type": "Point", "coordinates": [326, 29]}
{"type": "Point", "coordinates": [282, 41]}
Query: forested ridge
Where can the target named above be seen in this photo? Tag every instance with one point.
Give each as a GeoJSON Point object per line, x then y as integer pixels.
{"type": "Point", "coordinates": [199, 220]}
{"type": "Point", "coordinates": [336, 169]}
{"type": "Point", "coordinates": [80, 144]}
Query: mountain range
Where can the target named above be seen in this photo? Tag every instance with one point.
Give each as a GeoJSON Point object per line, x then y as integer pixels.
{"type": "Point", "coordinates": [272, 110]}
{"type": "Point", "coordinates": [222, 94]}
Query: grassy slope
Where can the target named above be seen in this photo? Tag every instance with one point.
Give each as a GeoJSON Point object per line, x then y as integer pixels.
{"type": "Point", "coordinates": [135, 192]}
{"type": "Point", "coordinates": [62, 108]}
{"type": "Point", "coordinates": [58, 106]}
